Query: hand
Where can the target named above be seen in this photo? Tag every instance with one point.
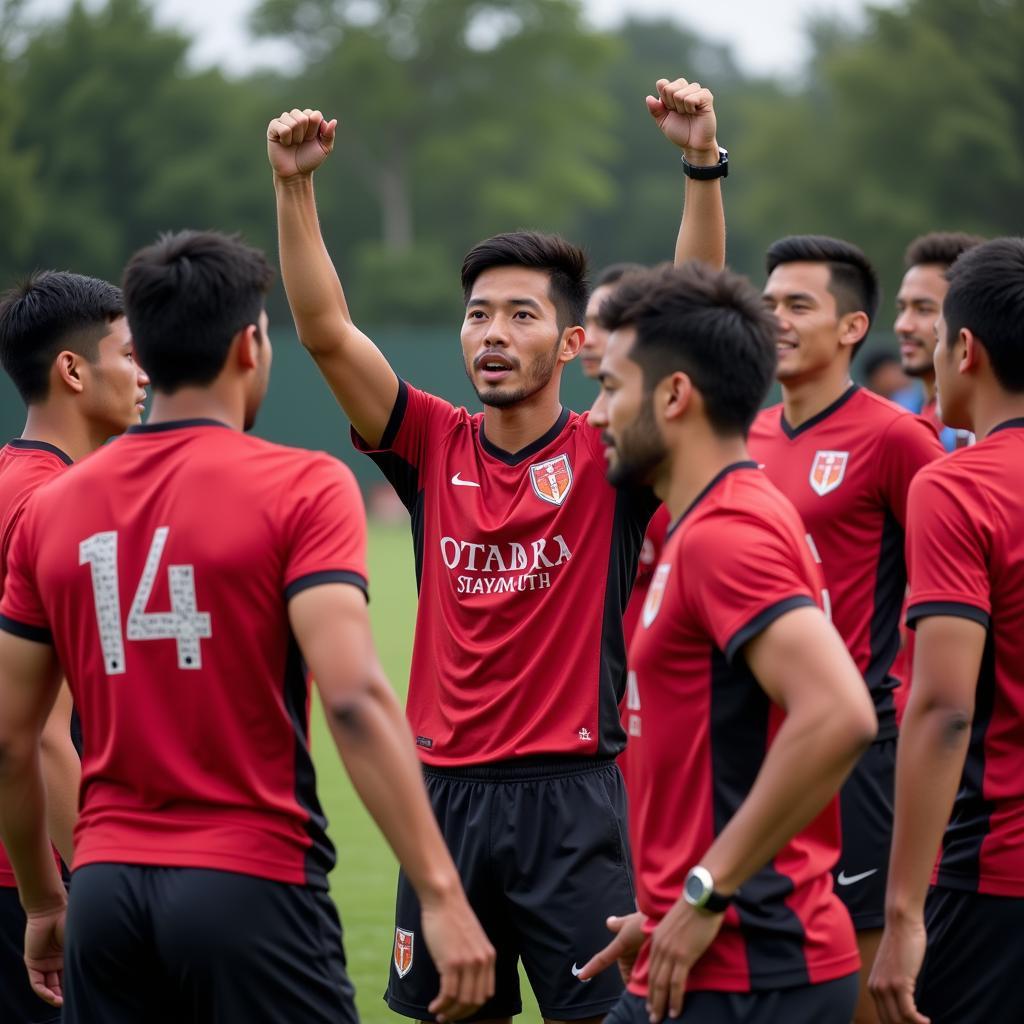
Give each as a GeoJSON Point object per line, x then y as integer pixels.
{"type": "Point", "coordinates": [678, 942]}
{"type": "Point", "coordinates": [298, 142]}
{"type": "Point", "coordinates": [462, 954]}
{"type": "Point", "coordinates": [685, 112]}
{"type": "Point", "coordinates": [629, 937]}
{"type": "Point", "coordinates": [894, 975]}
{"type": "Point", "coordinates": [44, 953]}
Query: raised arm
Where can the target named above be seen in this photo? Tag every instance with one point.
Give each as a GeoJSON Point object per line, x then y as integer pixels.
{"type": "Point", "coordinates": [360, 377]}
{"type": "Point", "coordinates": [685, 113]}
{"type": "Point", "coordinates": [333, 630]}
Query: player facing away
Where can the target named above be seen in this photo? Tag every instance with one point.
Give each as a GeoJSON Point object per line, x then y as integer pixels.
{"type": "Point", "coordinates": [918, 305]}
{"type": "Point", "coordinates": [959, 780]}
{"type": "Point", "coordinates": [200, 572]}
{"type": "Point", "coordinates": [65, 344]}
{"type": "Point", "coordinates": [525, 556]}
{"type": "Point", "coordinates": [845, 458]}
{"type": "Point", "coordinates": [751, 711]}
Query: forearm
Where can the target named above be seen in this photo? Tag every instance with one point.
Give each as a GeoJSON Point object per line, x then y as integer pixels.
{"type": "Point", "coordinates": [62, 773]}
{"type": "Point", "coordinates": [929, 764]}
{"type": "Point", "coordinates": [702, 228]}
{"type": "Point", "coordinates": [806, 764]}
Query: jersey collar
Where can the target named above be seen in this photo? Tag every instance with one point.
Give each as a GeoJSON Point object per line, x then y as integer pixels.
{"type": "Point", "coordinates": [715, 481]}
{"type": "Point", "coordinates": [156, 428]}
{"type": "Point", "coordinates": [514, 458]}
{"type": "Point", "coordinates": [41, 446]}
{"type": "Point", "coordinates": [1016, 423]}
{"type": "Point", "coordinates": [792, 432]}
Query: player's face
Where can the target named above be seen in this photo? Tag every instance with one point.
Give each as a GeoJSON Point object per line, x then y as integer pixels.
{"type": "Point", "coordinates": [596, 336]}
{"type": "Point", "coordinates": [511, 342]}
{"type": "Point", "coordinates": [950, 394]}
{"type": "Point", "coordinates": [261, 376]}
{"type": "Point", "coordinates": [116, 385]}
{"type": "Point", "coordinates": [918, 306]}
{"type": "Point", "coordinates": [624, 413]}
{"type": "Point", "coordinates": [809, 323]}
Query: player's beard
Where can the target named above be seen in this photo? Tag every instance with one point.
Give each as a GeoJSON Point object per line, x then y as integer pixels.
{"type": "Point", "coordinates": [538, 376]}
{"type": "Point", "coordinates": [638, 451]}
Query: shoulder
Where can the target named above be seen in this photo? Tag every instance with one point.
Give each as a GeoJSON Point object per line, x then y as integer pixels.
{"type": "Point", "coordinates": [768, 422]}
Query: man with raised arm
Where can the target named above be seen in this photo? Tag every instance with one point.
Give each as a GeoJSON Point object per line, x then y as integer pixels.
{"type": "Point", "coordinates": [200, 572]}
{"type": "Point", "coordinates": [525, 556]}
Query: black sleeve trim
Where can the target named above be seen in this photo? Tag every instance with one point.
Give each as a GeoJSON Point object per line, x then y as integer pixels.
{"type": "Point", "coordinates": [317, 579]}
{"type": "Point", "coordinates": [396, 417]}
{"type": "Point", "coordinates": [953, 609]}
{"type": "Point", "coordinates": [760, 622]}
{"type": "Point", "coordinates": [39, 634]}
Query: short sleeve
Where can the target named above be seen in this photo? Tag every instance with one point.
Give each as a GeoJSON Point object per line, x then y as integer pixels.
{"type": "Point", "coordinates": [413, 434]}
{"type": "Point", "coordinates": [947, 551]}
{"type": "Point", "coordinates": [21, 606]}
{"type": "Point", "coordinates": [909, 445]}
{"type": "Point", "coordinates": [751, 574]}
{"type": "Point", "coordinates": [326, 540]}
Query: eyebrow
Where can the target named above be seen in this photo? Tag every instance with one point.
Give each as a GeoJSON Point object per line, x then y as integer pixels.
{"type": "Point", "coordinates": [532, 303]}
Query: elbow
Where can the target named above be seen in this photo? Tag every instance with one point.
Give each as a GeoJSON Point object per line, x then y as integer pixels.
{"type": "Point", "coordinates": [352, 712]}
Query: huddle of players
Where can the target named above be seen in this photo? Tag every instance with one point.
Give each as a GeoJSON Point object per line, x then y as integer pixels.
{"type": "Point", "coordinates": [200, 855]}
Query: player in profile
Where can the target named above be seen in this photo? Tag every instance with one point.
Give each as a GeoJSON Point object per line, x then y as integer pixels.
{"type": "Point", "coordinates": [959, 783]}
{"type": "Point", "coordinates": [845, 458]}
{"type": "Point", "coordinates": [65, 344]}
{"type": "Point", "coordinates": [201, 571]}
{"type": "Point", "coordinates": [525, 555]}
{"type": "Point", "coordinates": [918, 305]}
{"type": "Point", "coordinates": [751, 711]}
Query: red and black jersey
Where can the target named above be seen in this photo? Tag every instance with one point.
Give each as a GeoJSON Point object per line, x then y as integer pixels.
{"type": "Point", "coordinates": [524, 562]}
{"type": "Point", "coordinates": [165, 594]}
{"type": "Point", "coordinates": [966, 557]}
{"type": "Point", "coordinates": [650, 555]}
{"type": "Point", "coordinates": [847, 471]}
{"type": "Point", "coordinates": [24, 466]}
{"type": "Point", "coordinates": [700, 726]}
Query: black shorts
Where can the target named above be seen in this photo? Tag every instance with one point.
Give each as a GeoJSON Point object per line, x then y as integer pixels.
{"type": "Point", "coordinates": [866, 807]}
{"type": "Point", "coordinates": [18, 1003]}
{"type": "Point", "coordinates": [831, 1002]}
{"type": "Point", "coordinates": [975, 959]}
{"type": "Point", "coordinates": [542, 850]}
{"type": "Point", "coordinates": [166, 945]}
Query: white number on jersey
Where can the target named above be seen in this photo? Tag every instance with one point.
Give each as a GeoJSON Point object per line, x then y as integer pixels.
{"type": "Point", "coordinates": [184, 623]}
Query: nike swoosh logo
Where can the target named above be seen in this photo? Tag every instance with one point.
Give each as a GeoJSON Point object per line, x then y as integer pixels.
{"type": "Point", "coordinates": [459, 482]}
{"type": "Point", "coordinates": [845, 879]}
{"type": "Point", "coordinates": [576, 974]}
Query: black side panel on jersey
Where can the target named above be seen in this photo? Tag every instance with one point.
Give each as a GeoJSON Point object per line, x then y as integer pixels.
{"type": "Point", "coordinates": [890, 588]}
{"type": "Point", "coordinates": [320, 857]}
{"type": "Point", "coordinates": [633, 511]}
{"type": "Point", "coordinates": [969, 824]}
{"type": "Point", "coordinates": [740, 710]}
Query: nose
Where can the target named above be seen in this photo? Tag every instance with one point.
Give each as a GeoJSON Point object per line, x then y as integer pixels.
{"type": "Point", "coordinates": [904, 323]}
{"type": "Point", "coordinates": [143, 378]}
{"type": "Point", "coordinates": [599, 410]}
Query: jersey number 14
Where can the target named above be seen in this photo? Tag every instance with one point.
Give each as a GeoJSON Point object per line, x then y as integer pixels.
{"type": "Point", "coordinates": [184, 623]}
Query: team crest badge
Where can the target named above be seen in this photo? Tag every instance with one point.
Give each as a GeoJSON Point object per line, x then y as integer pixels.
{"type": "Point", "coordinates": [655, 593]}
{"type": "Point", "coordinates": [827, 471]}
{"type": "Point", "coordinates": [552, 480]}
{"type": "Point", "coordinates": [403, 951]}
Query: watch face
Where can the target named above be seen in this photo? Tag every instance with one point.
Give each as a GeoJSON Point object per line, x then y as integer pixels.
{"type": "Point", "coordinates": [695, 891]}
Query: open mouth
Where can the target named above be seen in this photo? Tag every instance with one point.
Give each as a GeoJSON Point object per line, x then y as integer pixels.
{"type": "Point", "coordinates": [493, 366]}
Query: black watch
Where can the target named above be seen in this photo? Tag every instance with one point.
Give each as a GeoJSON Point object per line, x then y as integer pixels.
{"type": "Point", "coordinates": [699, 891]}
{"type": "Point", "coordinates": [719, 170]}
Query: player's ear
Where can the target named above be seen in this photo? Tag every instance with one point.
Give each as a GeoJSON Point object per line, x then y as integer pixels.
{"type": "Point", "coordinates": [67, 371]}
{"type": "Point", "coordinates": [970, 352]}
{"type": "Point", "coordinates": [572, 342]}
{"type": "Point", "coordinates": [853, 328]}
{"type": "Point", "coordinates": [246, 346]}
{"type": "Point", "coordinates": [675, 395]}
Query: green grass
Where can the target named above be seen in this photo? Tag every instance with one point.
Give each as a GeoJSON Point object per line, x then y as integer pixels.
{"type": "Point", "coordinates": [363, 884]}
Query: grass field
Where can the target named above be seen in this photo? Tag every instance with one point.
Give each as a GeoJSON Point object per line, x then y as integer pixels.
{"type": "Point", "coordinates": [363, 884]}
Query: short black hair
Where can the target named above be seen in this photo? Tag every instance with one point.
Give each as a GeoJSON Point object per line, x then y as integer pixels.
{"type": "Point", "coordinates": [939, 247]}
{"type": "Point", "coordinates": [48, 312]}
{"type": "Point", "coordinates": [853, 281]}
{"type": "Point", "coordinates": [986, 295]}
{"type": "Point", "coordinates": [616, 272]}
{"type": "Point", "coordinates": [565, 263]}
{"type": "Point", "coordinates": [187, 296]}
{"type": "Point", "coordinates": [711, 325]}
{"type": "Point", "coordinates": [877, 360]}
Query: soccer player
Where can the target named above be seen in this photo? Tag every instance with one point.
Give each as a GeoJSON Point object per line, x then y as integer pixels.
{"type": "Point", "coordinates": [959, 782]}
{"type": "Point", "coordinates": [918, 305]}
{"type": "Point", "coordinates": [845, 458]}
{"type": "Point", "coordinates": [65, 344]}
{"type": "Point", "coordinates": [524, 559]}
{"type": "Point", "coordinates": [751, 710]}
{"type": "Point", "coordinates": [198, 572]}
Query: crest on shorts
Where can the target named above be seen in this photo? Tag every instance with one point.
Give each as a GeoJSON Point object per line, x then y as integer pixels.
{"type": "Point", "coordinates": [827, 471]}
{"type": "Point", "coordinates": [403, 951]}
{"type": "Point", "coordinates": [655, 593]}
{"type": "Point", "coordinates": [552, 480]}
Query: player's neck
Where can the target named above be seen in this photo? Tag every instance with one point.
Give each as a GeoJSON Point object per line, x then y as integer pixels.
{"type": "Point", "coordinates": [991, 406]}
{"type": "Point", "coordinates": [928, 386]}
{"type": "Point", "coordinates": [514, 427]}
{"type": "Point", "coordinates": [803, 399]}
{"type": "Point", "coordinates": [693, 464]}
{"type": "Point", "coordinates": [198, 404]}
{"type": "Point", "coordinates": [73, 435]}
